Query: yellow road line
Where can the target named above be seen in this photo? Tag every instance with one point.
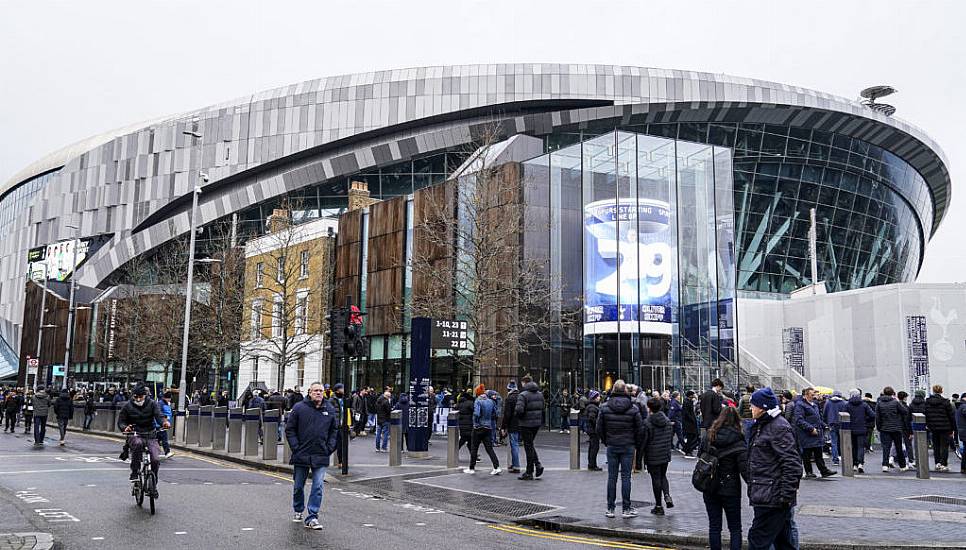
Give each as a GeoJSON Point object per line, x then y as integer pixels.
{"type": "Point", "coordinates": [516, 530]}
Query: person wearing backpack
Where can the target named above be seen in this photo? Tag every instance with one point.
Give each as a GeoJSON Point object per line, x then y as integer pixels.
{"type": "Point", "coordinates": [726, 462]}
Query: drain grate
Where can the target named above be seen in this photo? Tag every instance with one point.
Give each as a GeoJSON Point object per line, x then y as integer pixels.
{"type": "Point", "coordinates": [938, 499]}
{"type": "Point", "coordinates": [458, 501]}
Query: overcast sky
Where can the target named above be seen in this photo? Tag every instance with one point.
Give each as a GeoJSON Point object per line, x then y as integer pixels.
{"type": "Point", "coordinates": [72, 69]}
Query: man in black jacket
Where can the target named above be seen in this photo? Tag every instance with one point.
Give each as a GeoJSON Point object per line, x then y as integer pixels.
{"type": "Point", "coordinates": [889, 414]}
{"type": "Point", "coordinates": [312, 434]}
{"type": "Point", "coordinates": [592, 411]}
{"type": "Point", "coordinates": [774, 472]}
{"type": "Point", "coordinates": [383, 411]}
{"type": "Point", "coordinates": [510, 426]}
{"type": "Point", "coordinates": [529, 413]}
{"type": "Point", "coordinates": [940, 419]}
{"type": "Point", "coordinates": [710, 403]}
{"type": "Point", "coordinates": [138, 417]}
{"type": "Point", "coordinates": [619, 428]}
{"type": "Point", "coordinates": [464, 417]}
{"type": "Point", "coordinates": [689, 423]}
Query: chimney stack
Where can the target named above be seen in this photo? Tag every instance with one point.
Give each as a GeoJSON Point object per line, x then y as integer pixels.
{"type": "Point", "coordinates": [359, 195]}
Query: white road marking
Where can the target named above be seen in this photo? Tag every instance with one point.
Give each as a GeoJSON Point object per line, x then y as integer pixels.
{"type": "Point", "coordinates": [420, 524]}
{"type": "Point", "coordinates": [30, 497]}
{"type": "Point", "coordinates": [367, 525]}
{"type": "Point", "coordinates": [54, 515]}
{"type": "Point", "coordinates": [207, 483]}
{"type": "Point", "coordinates": [97, 538]}
{"type": "Point", "coordinates": [122, 469]}
{"type": "Point", "coordinates": [180, 532]}
{"type": "Point", "coordinates": [248, 528]}
{"type": "Point", "coordinates": [90, 485]}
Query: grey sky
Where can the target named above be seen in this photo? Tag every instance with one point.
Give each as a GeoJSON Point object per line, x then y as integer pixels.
{"type": "Point", "coordinates": [69, 69]}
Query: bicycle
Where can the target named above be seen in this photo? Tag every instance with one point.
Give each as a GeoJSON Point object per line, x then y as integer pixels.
{"type": "Point", "coordinates": [147, 481]}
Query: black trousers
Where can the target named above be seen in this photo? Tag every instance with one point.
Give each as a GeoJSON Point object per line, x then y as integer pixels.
{"type": "Point", "coordinates": [527, 435]}
{"type": "Point", "coordinates": [466, 438]}
{"type": "Point", "coordinates": [690, 442]}
{"type": "Point", "coordinates": [592, 449]}
{"type": "Point", "coordinates": [484, 436]}
{"type": "Point", "coordinates": [659, 484]}
{"type": "Point", "coordinates": [815, 453]}
{"type": "Point", "coordinates": [771, 526]}
{"type": "Point", "coordinates": [11, 420]}
{"type": "Point", "coordinates": [940, 447]}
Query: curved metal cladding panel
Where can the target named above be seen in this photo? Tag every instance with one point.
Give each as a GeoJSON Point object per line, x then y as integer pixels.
{"type": "Point", "coordinates": [134, 183]}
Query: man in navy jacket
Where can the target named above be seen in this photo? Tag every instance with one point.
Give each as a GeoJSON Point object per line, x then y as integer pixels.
{"type": "Point", "coordinates": [312, 432]}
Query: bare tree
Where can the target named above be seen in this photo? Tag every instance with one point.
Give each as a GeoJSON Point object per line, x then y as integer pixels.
{"type": "Point", "coordinates": [292, 287]}
{"type": "Point", "coordinates": [469, 262]}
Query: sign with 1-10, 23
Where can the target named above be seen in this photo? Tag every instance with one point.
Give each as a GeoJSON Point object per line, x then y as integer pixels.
{"type": "Point", "coordinates": [449, 334]}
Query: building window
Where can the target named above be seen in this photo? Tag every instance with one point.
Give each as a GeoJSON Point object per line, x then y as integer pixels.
{"type": "Point", "coordinates": [277, 320]}
{"type": "Point", "coordinates": [301, 370]}
{"type": "Point", "coordinates": [304, 264]}
{"type": "Point", "coordinates": [259, 274]}
{"type": "Point", "coordinates": [301, 311]}
{"type": "Point", "coordinates": [256, 320]}
{"type": "Point", "coordinates": [255, 368]}
{"type": "Point", "coordinates": [280, 269]}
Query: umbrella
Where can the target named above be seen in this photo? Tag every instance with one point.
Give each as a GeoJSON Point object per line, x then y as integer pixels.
{"type": "Point", "coordinates": [824, 390]}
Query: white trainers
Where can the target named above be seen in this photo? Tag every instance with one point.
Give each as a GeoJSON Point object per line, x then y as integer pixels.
{"type": "Point", "coordinates": [904, 468]}
{"type": "Point", "coordinates": [313, 524]}
{"type": "Point", "coordinates": [941, 468]}
{"type": "Point", "coordinates": [469, 471]}
{"type": "Point", "coordinates": [496, 471]}
{"type": "Point", "coordinates": [885, 468]}
{"type": "Point", "coordinates": [860, 468]}
{"type": "Point", "coordinates": [298, 517]}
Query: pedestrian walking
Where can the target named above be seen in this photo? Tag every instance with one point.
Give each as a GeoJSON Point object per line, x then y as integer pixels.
{"type": "Point", "coordinates": [774, 473]}
{"type": "Point", "coordinates": [830, 413]}
{"type": "Point", "coordinates": [656, 444]}
{"type": "Point", "coordinates": [940, 420]}
{"type": "Point", "coordinates": [484, 420]}
{"type": "Point", "coordinates": [907, 441]}
{"type": "Point", "coordinates": [726, 442]}
{"type": "Point", "coordinates": [961, 428]}
{"type": "Point", "coordinates": [90, 410]}
{"type": "Point", "coordinates": [360, 414]}
{"type": "Point", "coordinates": [889, 415]}
{"type": "Point", "coordinates": [383, 411]}
{"type": "Point", "coordinates": [620, 428]}
{"type": "Point", "coordinates": [710, 403]}
{"type": "Point", "coordinates": [11, 408]}
{"type": "Point", "coordinates": [860, 414]}
{"type": "Point", "coordinates": [592, 411]}
{"type": "Point", "coordinates": [689, 423]}
{"type": "Point", "coordinates": [529, 412]}
{"type": "Point", "coordinates": [165, 404]}
{"type": "Point", "coordinates": [564, 404]}
{"type": "Point", "coordinates": [312, 434]}
{"type": "Point", "coordinates": [28, 411]}
{"type": "Point", "coordinates": [510, 425]}
{"type": "Point", "coordinates": [744, 411]}
{"type": "Point", "coordinates": [464, 416]}
{"type": "Point", "coordinates": [41, 406]}
{"type": "Point", "coordinates": [811, 430]}
{"type": "Point", "coordinates": [675, 410]}
{"type": "Point", "coordinates": [64, 411]}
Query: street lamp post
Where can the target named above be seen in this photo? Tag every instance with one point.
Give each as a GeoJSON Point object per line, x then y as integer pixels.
{"type": "Point", "coordinates": [183, 383]}
{"type": "Point", "coordinates": [70, 308]}
{"type": "Point", "coordinates": [40, 326]}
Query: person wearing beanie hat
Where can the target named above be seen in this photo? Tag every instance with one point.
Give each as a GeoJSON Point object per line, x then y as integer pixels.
{"type": "Point", "coordinates": [479, 390]}
{"type": "Point", "coordinates": [592, 411]}
{"type": "Point", "coordinates": [835, 405]}
{"type": "Point", "coordinates": [484, 422]}
{"type": "Point", "coordinates": [811, 433]}
{"type": "Point", "coordinates": [510, 425]}
{"type": "Point", "coordinates": [775, 470]}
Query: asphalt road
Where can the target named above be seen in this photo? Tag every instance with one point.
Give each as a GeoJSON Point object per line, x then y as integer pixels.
{"type": "Point", "coordinates": [80, 494]}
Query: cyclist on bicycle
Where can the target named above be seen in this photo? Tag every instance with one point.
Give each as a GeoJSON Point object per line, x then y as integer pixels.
{"type": "Point", "coordinates": [137, 417]}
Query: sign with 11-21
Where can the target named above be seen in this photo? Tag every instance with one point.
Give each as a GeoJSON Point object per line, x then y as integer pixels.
{"type": "Point", "coordinates": [449, 334]}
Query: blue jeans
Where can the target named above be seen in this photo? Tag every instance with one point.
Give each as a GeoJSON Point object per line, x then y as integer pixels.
{"type": "Point", "coordinates": [619, 458]}
{"type": "Point", "coordinates": [371, 421]}
{"type": "Point", "coordinates": [731, 506]}
{"type": "Point", "coordinates": [834, 432]}
{"type": "Point", "coordinates": [40, 429]}
{"type": "Point", "coordinates": [746, 424]}
{"type": "Point", "coordinates": [315, 495]}
{"type": "Point", "coordinates": [858, 449]}
{"type": "Point", "coordinates": [514, 450]}
{"type": "Point", "coordinates": [382, 436]}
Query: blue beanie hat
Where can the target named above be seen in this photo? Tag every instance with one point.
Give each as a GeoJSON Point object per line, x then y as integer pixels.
{"type": "Point", "coordinates": [764, 399]}
{"type": "Point", "coordinates": [593, 394]}
{"type": "Point", "coordinates": [512, 385]}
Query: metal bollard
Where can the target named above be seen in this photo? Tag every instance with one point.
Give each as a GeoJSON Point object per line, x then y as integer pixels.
{"type": "Point", "coordinates": [252, 421]}
{"type": "Point", "coordinates": [395, 438]}
{"type": "Point", "coordinates": [845, 444]}
{"type": "Point", "coordinates": [235, 418]}
{"type": "Point", "coordinates": [204, 426]}
{"type": "Point", "coordinates": [922, 445]}
{"type": "Point", "coordinates": [452, 440]}
{"type": "Point", "coordinates": [270, 437]}
{"type": "Point", "coordinates": [77, 420]}
{"type": "Point", "coordinates": [574, 440]}
{"type": "Point", "coordinates": [286, 450]}
{"type": "Point", "coordinates": [180, 426]}
{"type": "Point", "coordinates": [219, 414]}
{"type": "Point", "coordinates": [192, 425]}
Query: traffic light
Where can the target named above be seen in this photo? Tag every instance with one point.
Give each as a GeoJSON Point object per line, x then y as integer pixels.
{"type": "Point", "coordinates": [337, 320]}
{"type": "Point", "coordinates": [354, 344]}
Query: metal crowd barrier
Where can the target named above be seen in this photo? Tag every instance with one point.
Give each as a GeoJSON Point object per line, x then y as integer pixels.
{"type": "Point", "coordinates": [235, 420]}
{"type": "Point", "coordinates": [270, 435]}
{"type": "Point", "coordinates": [204, 426]}
{"type": "Point", "coordinates": [192, 425]}
{"type": "Point", "coordinates": [218, 427]}
{"type": "Point", "coordinates": [252, 420]}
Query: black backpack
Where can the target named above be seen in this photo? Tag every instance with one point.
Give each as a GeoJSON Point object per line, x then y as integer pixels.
{"type": "Point", "coordinates": [705, 475]}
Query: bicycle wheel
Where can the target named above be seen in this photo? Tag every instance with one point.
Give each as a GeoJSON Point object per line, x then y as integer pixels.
{"type": "Point", "coordinates": [139, 491]}
{"type": "Point", "coordinates": [150, 486]}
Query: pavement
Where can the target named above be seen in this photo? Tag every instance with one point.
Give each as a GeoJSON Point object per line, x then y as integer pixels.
{"type": "Point", "coordinates": [78, 497]}
{"type": "Point", "coordinates": [874, 510]}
